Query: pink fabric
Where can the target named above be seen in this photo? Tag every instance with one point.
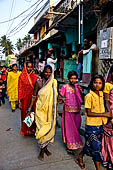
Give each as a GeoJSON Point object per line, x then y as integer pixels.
{"type": "Point", "coordinates": [107, 144]}
{"type": "Point", "coordinates": [111, 101]}
{"type": "Point", "coordinates": [72, 98]}
{"type": "Point", "coordinates": [107, 136]}
{"type": "Point", "coordinates": [71, 121]}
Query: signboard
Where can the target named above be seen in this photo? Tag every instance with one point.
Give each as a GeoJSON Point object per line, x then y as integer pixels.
{"type": "Point", "coordinates": [105, 45]}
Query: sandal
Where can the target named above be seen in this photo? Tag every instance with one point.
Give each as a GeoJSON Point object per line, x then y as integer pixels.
{"type": "Point", "coordinates": [79, 161]}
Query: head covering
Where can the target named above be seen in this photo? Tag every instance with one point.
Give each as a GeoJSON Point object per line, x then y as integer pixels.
{"type": "Point", "coordinates": [26, 83]}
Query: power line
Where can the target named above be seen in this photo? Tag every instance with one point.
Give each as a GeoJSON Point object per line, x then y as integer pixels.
{"type": "Point", "coordinates": [19, 14]}
{"type": "Point", "coordinates": [21, 25]}
{"type": "Point", "coordinates": [28, 1]}
{"type": "Point", "coordinates": [10, 17]}
{"type": "Point", "coordinates": [21, 22]}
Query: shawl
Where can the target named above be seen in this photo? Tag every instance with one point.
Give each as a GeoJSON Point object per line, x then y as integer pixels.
{"type": "Point", "coordinates": [45, 115]}
{"type": "Point", "coordinates": [26, 83]}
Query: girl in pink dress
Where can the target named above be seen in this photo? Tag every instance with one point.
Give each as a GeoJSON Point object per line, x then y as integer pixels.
{"type": "Point", "coordinates": [71, 118]}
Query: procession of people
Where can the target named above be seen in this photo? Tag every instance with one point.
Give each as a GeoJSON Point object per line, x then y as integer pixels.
{"type": "Point", "coordinates": [37, 97]}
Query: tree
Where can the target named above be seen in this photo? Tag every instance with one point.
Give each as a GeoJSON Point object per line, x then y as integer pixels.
{"type": "Point", "coordinates": [7, 45]}
{"type": "Point", "coordinates": [22, 42]}
{"type": "Point", "coordinates": [19, 44]}
{"type": "Point", "coordinates": [26, 39]}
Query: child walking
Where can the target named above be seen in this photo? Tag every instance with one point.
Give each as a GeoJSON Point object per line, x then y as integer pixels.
{"type": "Point", "coordinates": [95, 117]}
{"type": "Point", "coordinates": [71, 118]}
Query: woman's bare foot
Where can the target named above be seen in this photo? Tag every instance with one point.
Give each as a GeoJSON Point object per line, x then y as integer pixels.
{"type": "Point", "coordinates": [80, 162]}
{"type": "Point", "coordinates": [41, 155]}
{"type": "Point", "coordinates": [48, 153]}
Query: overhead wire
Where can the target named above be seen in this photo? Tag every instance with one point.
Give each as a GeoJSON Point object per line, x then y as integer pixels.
{"type": "Point", "coordinates": [10, 17]}
{"type": "Point", "coordinates": [23, 24]}
{"type": "Point", "coordinates": [2, 22]}
{"type": "Point", "coordinates": [28, 1]}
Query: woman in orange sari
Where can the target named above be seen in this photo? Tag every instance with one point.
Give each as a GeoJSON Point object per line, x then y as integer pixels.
{"type": "Point", "coordinates": [27, 81]}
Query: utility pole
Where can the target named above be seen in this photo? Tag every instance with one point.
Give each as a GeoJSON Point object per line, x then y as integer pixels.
{"type": "Point", "coordinates": [81, 22]}
{"type": "Point", "coordinates": [80, 38]}
{"type": "Point", "coordinates": [51, 10]}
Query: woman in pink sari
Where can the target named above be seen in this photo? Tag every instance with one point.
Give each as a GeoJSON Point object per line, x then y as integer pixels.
{"type": "Point", "coordinates": [107, 139]}
{"type": "Point", "coordinates": [26, 85]}
{"type": "Point", "coordinates": [71, 118]}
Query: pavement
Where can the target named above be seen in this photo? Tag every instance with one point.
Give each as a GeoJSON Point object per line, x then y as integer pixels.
{"type": "Point", "coordinates": [20, 153]}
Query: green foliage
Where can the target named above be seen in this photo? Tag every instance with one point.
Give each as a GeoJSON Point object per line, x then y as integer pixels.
{"type": "Point", "coordinates": [7, 45]}
{"type": "Point", "coordinates": [22, 42]}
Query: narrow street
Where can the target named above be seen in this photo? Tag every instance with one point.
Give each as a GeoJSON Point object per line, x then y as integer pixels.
{"type": "Point", "coordinates": [20, 153]}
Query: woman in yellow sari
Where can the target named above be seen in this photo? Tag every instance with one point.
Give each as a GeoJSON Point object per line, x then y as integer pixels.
{"type": "Point", "coordinates": [12, 86]}
{"type": "Point", "coordinates": [45, 115]}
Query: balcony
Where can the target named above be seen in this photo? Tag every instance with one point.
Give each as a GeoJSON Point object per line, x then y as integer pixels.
{"type": "Point", "coordinates": [27, 45]}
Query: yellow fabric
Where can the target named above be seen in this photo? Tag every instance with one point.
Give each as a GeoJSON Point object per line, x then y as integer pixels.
{"type": "Point", "coordinates": [96, 104]}
{"type": "Point", "coordinates": [45, 121]}
{"type": "Point", "coordinates": [108, 87]}
{"type": "Point", "coordinates": [12, 85]}
{"type": "Point", "coordinates": [13, 105]}
{"type": "Point", "coordinates": [42, 31]}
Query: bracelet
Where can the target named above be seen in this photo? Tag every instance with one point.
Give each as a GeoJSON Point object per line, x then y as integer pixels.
{"type": "Point", "coordinates": [29, 109]}
{"type": "Point", "coordinates": [33, 97]}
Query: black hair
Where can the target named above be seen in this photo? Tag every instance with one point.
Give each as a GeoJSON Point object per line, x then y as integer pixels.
{"type": "Point", "coordinates": [14, 65]}
{"type": "Point", "coordinates": [1, 82]}
{"type": "Point", "coordinates": [29, 62]}
{"type": "Point", "coordinates": [93, 79]}
{"type": "Point", "coordinates": [4, 66]}
{"type": "Point", "coordinates": [73, 52]}
{"type": "Point", "coordinates": [41, 60]}
{"type": "Point", "coordinates": [52, 52]}
{"type": "Point", "coordinates": [72, 73]}
{"type": "Point", "coordinates": [47, 67]}
{"type": "Point", "coordinates": [63, 52]}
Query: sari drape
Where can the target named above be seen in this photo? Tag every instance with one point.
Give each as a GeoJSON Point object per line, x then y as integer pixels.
{"type": "Point", "coordinates": [107, 146]}
{"type": "Point", "coordinates": [25, 90]}
{"type": "Point", "coordinates": [71, 118]}
{"type": "Point", "coordinates": [107, 136]}
{"type": "Point", "coordinates": [12, 85]}
{"type": "Point", "coordinates": [45, 115]}
{"type": "Point", "coordinates": [107, 139]}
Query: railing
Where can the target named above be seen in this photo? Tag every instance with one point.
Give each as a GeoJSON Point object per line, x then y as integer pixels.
{"type": "Point", "coordinates": [65, 7]}
{"type": "Point", "coordinates": [27, 45]}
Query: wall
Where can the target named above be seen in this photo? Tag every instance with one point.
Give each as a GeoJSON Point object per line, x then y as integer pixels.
{"type": "Point", "coordinates": [69, 65]}
{"type": "Point", "coordinates": [71, 35]}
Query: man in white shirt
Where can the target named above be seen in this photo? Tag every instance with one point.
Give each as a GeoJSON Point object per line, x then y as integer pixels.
{"type": "Point", "coordinates": [51, 60]}
{"type": "Point", "coordinates": [92, 47]}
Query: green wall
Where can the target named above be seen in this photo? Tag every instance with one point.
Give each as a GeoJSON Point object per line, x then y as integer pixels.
{"type": "Point", "coordinates": [69, 65]}
{"type": "Point", "coordinates": [71, 35]}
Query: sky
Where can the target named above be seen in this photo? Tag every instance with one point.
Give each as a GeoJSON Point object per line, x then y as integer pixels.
{"type": "Point", "coordinates": [10, 9]}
